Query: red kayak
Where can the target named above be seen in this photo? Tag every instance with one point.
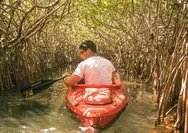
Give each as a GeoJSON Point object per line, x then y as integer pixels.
{"type": "Point", "coordinates": [96, 105]}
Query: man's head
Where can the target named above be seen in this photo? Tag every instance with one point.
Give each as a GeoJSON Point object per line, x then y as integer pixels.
{"type": "Point", "coordinates": [87, 49]}
{"type": "Point", "coordinates": [88, 44]}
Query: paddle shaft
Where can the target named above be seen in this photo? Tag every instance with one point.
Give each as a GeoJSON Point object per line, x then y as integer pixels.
{"type": "Point", "coordinates": [38, 86]}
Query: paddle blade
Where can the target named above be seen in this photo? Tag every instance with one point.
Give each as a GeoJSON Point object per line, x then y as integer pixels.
{"type": "Point", "coordinates": [35, 88]}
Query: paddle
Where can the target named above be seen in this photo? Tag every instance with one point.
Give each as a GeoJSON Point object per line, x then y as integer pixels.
{"type": "Point", "coordinates": [34, 88]}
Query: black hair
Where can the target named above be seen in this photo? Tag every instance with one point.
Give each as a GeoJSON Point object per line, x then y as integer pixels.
{"type": "Point", "coordinates": [88, 44]}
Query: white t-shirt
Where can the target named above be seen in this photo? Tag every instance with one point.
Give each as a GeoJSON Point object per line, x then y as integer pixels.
{"type": "Point", "coordinates": [95, 70]}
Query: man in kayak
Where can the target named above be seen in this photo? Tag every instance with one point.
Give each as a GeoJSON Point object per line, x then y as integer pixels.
{"type": "Point", "coordinates": [94, 69]}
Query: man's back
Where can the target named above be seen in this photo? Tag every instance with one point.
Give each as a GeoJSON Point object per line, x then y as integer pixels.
{"type": "Point", "coordinates": [95, 70]}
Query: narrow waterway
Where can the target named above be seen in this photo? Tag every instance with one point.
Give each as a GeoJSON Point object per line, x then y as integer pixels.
{"type": "Point", "coordinates": [47, 113]}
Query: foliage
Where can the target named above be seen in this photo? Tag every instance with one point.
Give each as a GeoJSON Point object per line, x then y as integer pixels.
{"type": "Point", "coordinates": [140, 37]}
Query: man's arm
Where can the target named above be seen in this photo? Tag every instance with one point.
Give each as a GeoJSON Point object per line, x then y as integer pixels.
{"type": "Point", "coordinates": [71, 80]}
{"type": "Point", "coordinates": [115, 76]}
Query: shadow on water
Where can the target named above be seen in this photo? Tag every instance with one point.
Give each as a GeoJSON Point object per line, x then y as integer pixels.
{"type": "Point", "coordinates": [140, 114]}
{"type": "Point", "coordinates": [47, 112]}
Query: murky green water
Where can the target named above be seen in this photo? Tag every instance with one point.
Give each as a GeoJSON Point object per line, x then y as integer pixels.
{"type": "Point", "coordinates": [47, 113]}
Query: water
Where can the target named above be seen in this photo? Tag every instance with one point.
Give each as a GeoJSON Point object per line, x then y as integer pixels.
{"type": "Point", "coordinates": [47, 113]}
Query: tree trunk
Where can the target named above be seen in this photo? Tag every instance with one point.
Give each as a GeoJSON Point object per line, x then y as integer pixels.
{"type": "Point", "coordinates": [186, 84]}
{"type": "Point", "coordinates": [186, 112]}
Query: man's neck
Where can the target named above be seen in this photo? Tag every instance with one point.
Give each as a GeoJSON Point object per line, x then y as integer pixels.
{"type": "Point", "coordinates": [92, 54]}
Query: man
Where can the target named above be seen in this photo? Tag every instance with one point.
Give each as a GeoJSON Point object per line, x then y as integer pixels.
{"type": "Point", "coordinates": [94, 69]}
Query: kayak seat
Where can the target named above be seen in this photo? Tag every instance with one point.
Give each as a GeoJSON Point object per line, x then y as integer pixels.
{"type": "Point", "coordinates": [99, 96]}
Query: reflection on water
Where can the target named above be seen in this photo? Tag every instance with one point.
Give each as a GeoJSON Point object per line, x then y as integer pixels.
{"type": "Point", "coordinates": [47, 112]}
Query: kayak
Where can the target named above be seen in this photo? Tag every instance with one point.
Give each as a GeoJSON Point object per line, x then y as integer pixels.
{"type": "Point", "coordinates": [97, 105]}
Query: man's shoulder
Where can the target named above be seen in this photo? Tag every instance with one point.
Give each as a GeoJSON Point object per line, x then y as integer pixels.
{"type": "Point", "coordinates": [103, 58]}
{"type": "Point", "coordinates": [95, 59]}
{"type": "Point", "coordinates": [99, 57]}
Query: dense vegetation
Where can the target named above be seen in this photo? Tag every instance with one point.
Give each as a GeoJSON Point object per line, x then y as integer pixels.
{"type": "Point", "coordinates": [146, 39]}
